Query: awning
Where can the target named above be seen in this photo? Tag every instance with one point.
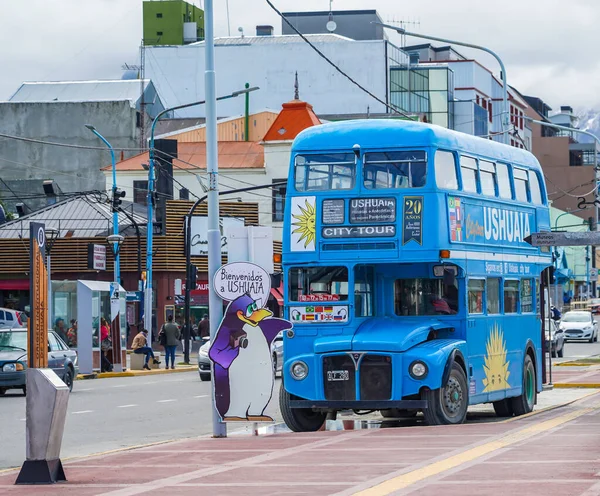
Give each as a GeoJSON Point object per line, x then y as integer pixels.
{"type": "Point", "coordinates": [15, 284]}
{"type": "Point", "coordinates": [277, 295]}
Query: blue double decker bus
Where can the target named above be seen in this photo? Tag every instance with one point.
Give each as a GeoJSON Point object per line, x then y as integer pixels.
{"type": "Point", "coordinates": [407, 275]}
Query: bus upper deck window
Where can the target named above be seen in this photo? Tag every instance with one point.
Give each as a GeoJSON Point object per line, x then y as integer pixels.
{"type": "Point", "coordinates": [535, 189]}
{"type": "Point", "coordinates": [324, 172]}
{"type": "Point", "coordinates": [504, 190]}
{"type": "Point", "coordinates": [520, 177]}
{"type": "Point", "coordinates": [487, 176]}
{"type": "Point", "coordinates": [468, 171]}
{"type": "Point", "coordinates": [445, 170]}
{"type": "Point", "coordinates": [395, 169]}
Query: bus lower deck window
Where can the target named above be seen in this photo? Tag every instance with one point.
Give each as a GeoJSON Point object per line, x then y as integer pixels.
{"type": "Point", "coordinates": [511, 296]}
{"type": "Point", "coordinates": [395, 169]}
{"type": "Point", "coordinates": [425, 297]}
{"type": "Point", "coordinates": [475, 295]}
{"type": "Point", "coordinates": [493, 295]}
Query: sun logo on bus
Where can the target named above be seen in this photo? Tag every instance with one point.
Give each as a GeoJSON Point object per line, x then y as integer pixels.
{"type": "Point", "coordinates": [495, 363]}
{"type": "Point", "coordinates": [306, 224]}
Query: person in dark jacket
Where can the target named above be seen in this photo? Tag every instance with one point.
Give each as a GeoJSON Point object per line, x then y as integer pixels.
{"type": "Point", "coordinates": [172, 335]}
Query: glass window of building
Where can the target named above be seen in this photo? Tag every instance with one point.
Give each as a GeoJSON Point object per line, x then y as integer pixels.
{"type": "Point", "coordinates": [140, 192]}
{"type": "Point", "coordinates": [395, 169]}
{"type": "Point", "coordinates": [503, 178]}
{"type": "Point", "coordinates": [520, 177]}
{"type": "Point", "coordinates": [317, 284]}
{"type": "Point", "coordinates": [487, 177]}
{"type": "Point", "coordinates": [511, 296]}
{"type": "Point", "coordinates": [445, 170]}
{"type": "Point", "coordinates": [325, 172]}
{"type": "Point", "coordinates": [475, 295]}
{"type": "Point", "coordinates": [534, 188]}
{"type": "Point", "coordinates": [468, 171]}
{"type": "Point", "coordinates": [278, 193]}
{"type": "Point", "coordinates": [493, 295]}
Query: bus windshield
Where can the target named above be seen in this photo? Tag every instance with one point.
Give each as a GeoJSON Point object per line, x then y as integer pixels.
{"type": "Point", "coordinates": [425, 297]}
{"type": "Point", "coordinates": [324, 171]}
{"type": "Point", "coordinates": [399, 169]}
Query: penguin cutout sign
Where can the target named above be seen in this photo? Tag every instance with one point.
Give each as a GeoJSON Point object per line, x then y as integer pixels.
{"type": "Point", "coordinates": [243, 375]}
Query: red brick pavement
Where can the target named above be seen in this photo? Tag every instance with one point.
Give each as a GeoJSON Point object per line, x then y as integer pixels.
{"type": "Point", "coordinates": [563, 459]}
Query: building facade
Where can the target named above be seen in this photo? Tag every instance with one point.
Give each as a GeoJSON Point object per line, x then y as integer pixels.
{"type": "Point", "coordinates": [172, 22]}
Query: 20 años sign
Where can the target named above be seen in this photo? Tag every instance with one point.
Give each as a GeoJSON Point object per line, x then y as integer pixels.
{"type": "Point", "coordinates": [412, 219]}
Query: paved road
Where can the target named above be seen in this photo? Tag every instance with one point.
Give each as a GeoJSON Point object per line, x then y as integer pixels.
{"type": "Point", "coordinates": [107, 414]}
{"type": "Point", "coordinates": [577, 349]}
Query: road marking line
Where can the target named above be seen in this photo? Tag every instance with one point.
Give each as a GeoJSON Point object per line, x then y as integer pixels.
{"type": "Point", "coordinates": [202, 396]}
{"type": "Point", "coordinates": [165, 401]}
{"type": "Point", "coordinates": [126, 406]}
{"type": "Point", "coordinates": [120, 386]}
{"type": "Point", "coordinates": [23, 420]}
{"type": "Point", "coordinates": [410, 478]}
{"type": "Point", "coordinates": [86, 389]}
{"type": "Point", "coordinates": [82, 411]}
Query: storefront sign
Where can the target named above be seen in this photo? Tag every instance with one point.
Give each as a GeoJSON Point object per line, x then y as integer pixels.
{"type": "Point", "coordinates": [412, 219]}
{"type": "Point", "coordinates": [319, 313]}
{"type": "Point", "coordinates": [199, 234]}
{"type": "Point", "coordinates": [359, 232]}
{"type": "Point", "coordinates": [370, 210]}
{"type": "Point", "coordinates": [96, 257]}
{"type": "Point", "coordinates": [333, 212]}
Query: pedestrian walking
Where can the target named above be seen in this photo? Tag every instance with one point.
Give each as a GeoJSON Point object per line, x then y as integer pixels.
{"type": "Point", "coordinates": [105, 345]}
{"type": "Point", "coordinates": [72, 334]}
{"type": "Point", "coordinates": [59, 328]}
{"type": "Point", "coordinates": [140, 347]}
{"type": "Point", "coordinates": [169, 336]}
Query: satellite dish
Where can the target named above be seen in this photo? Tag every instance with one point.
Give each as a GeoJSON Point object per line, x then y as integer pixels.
{"type": "Point", "coordinates": [331, 26]}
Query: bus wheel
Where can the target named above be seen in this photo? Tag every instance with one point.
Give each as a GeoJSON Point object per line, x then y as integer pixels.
{"type": "Point", "coordinates": [448, 404]}
{"type": "Point", "coordinates": [503, 408]}
{"type": "Point", "coordinates": [299, 419]}
{"type": "Point", "coordinates": [524, 404]}
{"type": "Point", "coordinates": [397, 413]}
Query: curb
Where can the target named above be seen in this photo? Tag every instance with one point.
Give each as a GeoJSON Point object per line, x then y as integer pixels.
{"type": "Point", "coordinates": [567, 385]}
{"type": "Point", "coordinates": [135, 373]}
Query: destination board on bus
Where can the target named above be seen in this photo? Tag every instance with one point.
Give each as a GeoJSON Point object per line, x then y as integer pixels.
{"type": "Point", "coordinates": [372, 210]}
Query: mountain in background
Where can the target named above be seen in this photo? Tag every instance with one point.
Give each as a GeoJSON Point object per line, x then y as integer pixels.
{"type": "Point", "coordinates": [589, 120]}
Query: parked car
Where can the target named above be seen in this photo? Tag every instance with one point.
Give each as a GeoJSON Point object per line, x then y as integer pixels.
{"type": "Point", "coordinates": [555, 339]}
{"type": "Point", "coordinates": [204, 361]}
{"type": "Point", "coordinates": [579, 325]}
{"type": "Point", "coordinates": [13, 359]}
{"type": "Point", "coordinates": [10, 318]}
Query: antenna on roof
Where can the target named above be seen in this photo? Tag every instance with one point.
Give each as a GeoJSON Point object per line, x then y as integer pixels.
{"type": "Point", "coordinates": [404, 24]}
{"type": "Point", "coordinates": [296, 88]}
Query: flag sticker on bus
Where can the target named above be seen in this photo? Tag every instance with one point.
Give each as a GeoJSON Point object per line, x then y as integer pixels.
{"type": "Point", "coordinates": [319, 314]}
{"type": "Point", "coordinates": [455, 215]}
{"type": "Point", "coordinates": [412, 219]}
{"type": "Point", "coordinates": [304, 220]}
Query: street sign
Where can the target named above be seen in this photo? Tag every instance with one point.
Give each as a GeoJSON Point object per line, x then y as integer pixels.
{"type": "Point", "coordinates": [114, 291]}
{"type": "Point", "coordinates": [590, 238]}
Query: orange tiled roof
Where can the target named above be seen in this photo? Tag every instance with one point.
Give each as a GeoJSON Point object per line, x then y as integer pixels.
{"type": "Point", "coordinates": [232, 155]}
{"type": "Point", "coordinates": [295, 116]}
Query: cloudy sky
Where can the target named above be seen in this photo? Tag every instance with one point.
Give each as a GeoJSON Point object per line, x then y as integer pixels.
{"type": "Point", "coordinates": [548, 46]}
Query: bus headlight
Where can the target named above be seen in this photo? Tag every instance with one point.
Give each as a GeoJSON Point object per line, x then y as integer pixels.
{"type": "Point", "coordinates": [299, 370]}
{"type": "Point", "coordinates": [418, 370]}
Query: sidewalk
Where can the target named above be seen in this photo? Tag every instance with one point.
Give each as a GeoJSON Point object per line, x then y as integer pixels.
{"type": "Point", "coordinates": [554, 452]}
{"type": "Point", "coordinates": [576, 376]}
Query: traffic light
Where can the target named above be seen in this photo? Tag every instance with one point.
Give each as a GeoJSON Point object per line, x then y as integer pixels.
{"type": "Point", "coordinates": [193, 276]}
{"type": "Point", "coordinates": [116, 199]}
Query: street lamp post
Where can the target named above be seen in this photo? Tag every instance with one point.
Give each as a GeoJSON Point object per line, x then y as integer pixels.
{"type": "Point", "coordinates": [148, 297]}
{"type": "Point", "coordinates": [506, 112]}
{"type": "Point", "coordinates": [51, 236]}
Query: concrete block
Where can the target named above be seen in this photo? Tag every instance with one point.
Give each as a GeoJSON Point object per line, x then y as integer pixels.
{"type": "Point", "coordinates": [136, 361]}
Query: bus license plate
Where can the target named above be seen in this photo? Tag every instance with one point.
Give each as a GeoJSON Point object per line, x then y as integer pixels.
{"type": "Point", "coordinates": [338, 375]}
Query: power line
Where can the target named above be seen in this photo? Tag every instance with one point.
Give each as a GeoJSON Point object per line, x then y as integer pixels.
{"type": "Point", "coordinates": [330, 62]}
{"type": "Point", "coordinates": [65, 145]}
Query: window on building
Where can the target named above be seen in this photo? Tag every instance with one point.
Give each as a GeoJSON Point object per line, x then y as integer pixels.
{"type": "Point", "coordinates": [468, 171]}
{"type": "Point", "coordinates": [140, 192]}
{"type": "Point", "coordinates": [520, 177]}
{"type": "Point", "coordinates": [527, 295]}
{"type": "Point", "coordinates": [475, 295]}
{"type": "Point", "coordinates": [445, 170]}
{"type": "Point", "coordinates": [158, 15]}
{"type": "Point", "coordinates": [493, 295]}
{"type": "Point", "coordinates": [184, 194]}
{"type": "Point", "coordinates": [325, 172]}
{"type": "Point", "coordinates": [406, 169]}
{"type": "Point", "coordinates": [490, 112]}
{"type": "Point", "coordinates": [278, 193]}
{"type": "Point", "coordinates": [511, 296]}
{"type": "Point", "coordinates": [487, 177]}
{"type": "Point", "coordinates": [534, 188]}
{"type": "Point", "coordinates": [364, 282]}
{"type": "Point", "coordinates": [477, 99]}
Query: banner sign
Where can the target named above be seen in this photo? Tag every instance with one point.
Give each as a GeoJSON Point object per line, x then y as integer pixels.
{"type": "Point", "coordinates": [96, 257]}
{"type": "Point", "coordinates": [359, 232]}
{"type": "Point", "coordinates": [372, 210]}
{"type": "Point", "coordinates": [241, 351]}
{"type": "Point", "coordinates": [412, 219]}
{"type": "Point", "coordinates": [37, 324]}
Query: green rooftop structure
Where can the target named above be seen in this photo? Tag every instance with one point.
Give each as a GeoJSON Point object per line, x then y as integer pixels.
{"type": "Point", "coordinates": [172, 22]}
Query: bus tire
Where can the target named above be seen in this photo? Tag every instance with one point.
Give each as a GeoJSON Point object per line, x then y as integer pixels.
{"type": "Point", "coordinates": [398, 413]}
{"type": "Point", "coordinates": [503, 408]}
{"type": "Point", "coordinates": [448, 404]}
{"type": "Point", "coordinates": [526, 401]}
{"type": "Point", "coordinates": [299, 419]}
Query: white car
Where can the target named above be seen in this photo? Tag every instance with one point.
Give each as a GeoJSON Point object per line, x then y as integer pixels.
{"type": "Point", "coordinates": [579, 325]}
{"type": "Point", "coordinates": [11, 318]}
{"type": "Point", "coordinates": [204, 361]}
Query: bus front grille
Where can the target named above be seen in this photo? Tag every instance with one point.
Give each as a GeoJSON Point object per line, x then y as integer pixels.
{"type": "Point", "coordinates": [375, 377]}
{"type": "Point", "coordinates": [339, 378]}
